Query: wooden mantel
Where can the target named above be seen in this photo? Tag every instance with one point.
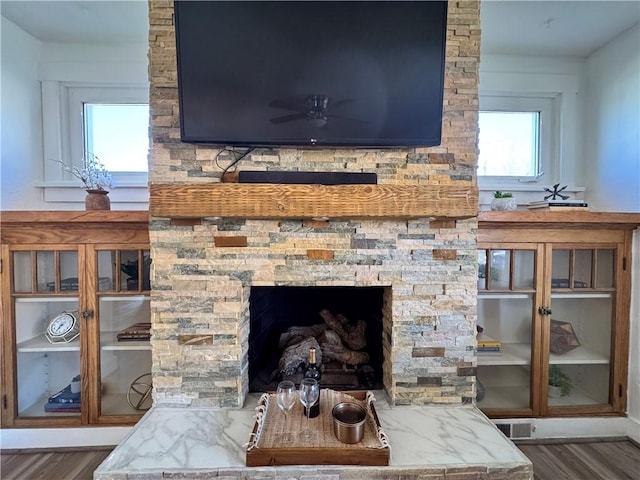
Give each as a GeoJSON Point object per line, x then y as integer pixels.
{"type": "Point", "coordinates": [291, 201]}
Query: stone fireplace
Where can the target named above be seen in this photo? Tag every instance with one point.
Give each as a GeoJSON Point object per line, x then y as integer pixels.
{"type": "Point", "coordinates": [208, 265]}
{"type": "Point", "coordinates": [225, 255]}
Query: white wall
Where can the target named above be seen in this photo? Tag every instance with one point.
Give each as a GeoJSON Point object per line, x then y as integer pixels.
{"type": "Point", "coordinates": [21, 117]}
{"type": "Point", "coordinates": [612, 147]}
{"type": "Point", "coordinates": [612, 154]}
{"type": "Point", "coordinates": [633, 407]}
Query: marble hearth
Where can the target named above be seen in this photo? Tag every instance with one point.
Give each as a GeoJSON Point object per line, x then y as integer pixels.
{"type": "Point", "coordinates": [427, 443]}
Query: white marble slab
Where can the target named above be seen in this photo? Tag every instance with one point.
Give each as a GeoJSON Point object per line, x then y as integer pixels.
{"type": "Point", "coordinates": [197, 439]}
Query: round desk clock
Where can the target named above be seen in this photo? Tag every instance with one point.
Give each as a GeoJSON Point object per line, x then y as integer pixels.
{"type": "Point", "coordinates": [63, 329]}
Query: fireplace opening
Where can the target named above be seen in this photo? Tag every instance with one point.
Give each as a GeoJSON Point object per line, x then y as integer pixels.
{"type": "Point", "coordinates": [344, 323]}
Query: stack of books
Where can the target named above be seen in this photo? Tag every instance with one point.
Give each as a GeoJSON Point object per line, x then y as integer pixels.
{"type": "Point", "coordinates": [559, 205]}
{"type": "Point", "coordinates": [136, 332]}
{"type": "Point", "coordinates": [488, 345]}
{"type": "Point", "coordinates": [71, 284]}
{"type": "Point", "coordinates": [564, 283]}
{"type": "Point", "coordinates": [63, 401]}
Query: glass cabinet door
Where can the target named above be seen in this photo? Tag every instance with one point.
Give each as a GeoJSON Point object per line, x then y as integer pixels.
{"type": "Point", "coordinates": [582, 306]}
{"type": "Point", "coordinates": [44, 287]}
{"type": "Point", "coordinates": [506, 302]}
{"type": "Point", "coordinates": [124, 329]}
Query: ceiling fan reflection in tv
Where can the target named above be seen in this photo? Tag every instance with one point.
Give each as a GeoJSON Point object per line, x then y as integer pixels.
{"type": "Point", "coordinates": [316, 109]}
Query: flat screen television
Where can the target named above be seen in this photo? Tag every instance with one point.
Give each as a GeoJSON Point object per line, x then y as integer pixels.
{"type": "Point", "coordinates": [309, 73]}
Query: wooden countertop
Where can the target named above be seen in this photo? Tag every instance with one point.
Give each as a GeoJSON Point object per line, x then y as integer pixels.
{"type": "Point", "coordinates": [572, 219]}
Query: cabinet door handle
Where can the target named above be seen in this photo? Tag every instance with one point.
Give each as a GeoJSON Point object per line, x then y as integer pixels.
{"type": "Point", "coordinates": [544, 311]}
{"type": "Point", "coordinates": [87, 314]}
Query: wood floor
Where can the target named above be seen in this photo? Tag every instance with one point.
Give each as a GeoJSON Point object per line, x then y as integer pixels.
{"type": "Point", "coordinates": [602, 460]}
{"type": "Point", "coordinates": [59, 465]}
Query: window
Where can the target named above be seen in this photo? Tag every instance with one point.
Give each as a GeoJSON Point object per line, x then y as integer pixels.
{"type": "Point", "coordinates": [508, 143]}
{"type": "Point", "coordinates": [128, 124]}
{"type": "Point", "coordinates": [108, 121]}
{"type": "Point", "coordinates": [516, 140]}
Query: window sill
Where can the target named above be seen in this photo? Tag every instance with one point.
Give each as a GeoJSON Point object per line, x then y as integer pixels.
{"type": "Point", "coordinates": [125, 196]}
{"type": "Point", "coordinates": [524, 192]}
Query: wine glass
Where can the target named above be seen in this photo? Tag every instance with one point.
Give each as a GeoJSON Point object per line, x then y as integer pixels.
{"type": "Point", "coordinates": [286, 398]}
{"type": "Point", "coordinates": [309, 393]}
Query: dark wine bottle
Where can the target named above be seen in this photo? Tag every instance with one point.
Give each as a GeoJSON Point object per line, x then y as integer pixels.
{"type": "Point", "coordinates": [312, 371]}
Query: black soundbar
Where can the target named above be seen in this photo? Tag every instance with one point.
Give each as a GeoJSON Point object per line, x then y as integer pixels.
{"type": "Point", "coordinates": [317, 178]}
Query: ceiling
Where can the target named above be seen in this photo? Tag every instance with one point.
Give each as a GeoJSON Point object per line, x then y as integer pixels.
{"type": "Point", "coordinates": [520, 27]}
{"type": "Point", "coordinates": [554, 28]}
{"type": "Point", "coordinates": [85, 21]}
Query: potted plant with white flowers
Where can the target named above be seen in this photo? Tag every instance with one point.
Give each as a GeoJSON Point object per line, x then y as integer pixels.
{"type": "Point", "coordinates": [96, 180]}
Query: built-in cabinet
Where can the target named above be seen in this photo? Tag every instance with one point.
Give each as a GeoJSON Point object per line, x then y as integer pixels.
{"type": "Point", "coordinates": [75, 318]}
{"type": "Point", "coordinates": [553, 308]}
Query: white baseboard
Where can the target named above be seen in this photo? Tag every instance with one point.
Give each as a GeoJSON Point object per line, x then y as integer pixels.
{"type": "Point", "coordinates": [582, 427]}
{"type": "Point", "coordinates": [19, 438]}
{"type": "Point", "coordinates": [544, 428]}
{"type": "Point", "coordinates": [574, 428]}
{"type": "Point", "coordinates": [633, 430]}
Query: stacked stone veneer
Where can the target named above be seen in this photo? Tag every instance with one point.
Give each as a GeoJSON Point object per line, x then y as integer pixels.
{"type": "Point", "coordinates": [203, 272]}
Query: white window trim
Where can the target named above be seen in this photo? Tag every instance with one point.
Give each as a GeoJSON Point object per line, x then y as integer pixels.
{"type": "Point", "coordinates": [564, 90]}
{"type": "Point", "coordinates": [62, 127]}
{"type": "Point", "coordinates": [547, 148]}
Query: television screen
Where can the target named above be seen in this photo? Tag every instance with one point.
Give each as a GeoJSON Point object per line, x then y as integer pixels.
{"type": "Point", "coordinates": [307, 73]}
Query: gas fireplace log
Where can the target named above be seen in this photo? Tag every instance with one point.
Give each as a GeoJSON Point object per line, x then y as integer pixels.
{"type": "Point", "coordinates": [330, 337]}
{"type": "Point", "coordinates": [331, 351]}
{"type": "Point", "coordinates": [298, 354]}
{"type": "Point", "coordinates": [352, 335]}
{"type": "Point", "coordinates": [294, 334]}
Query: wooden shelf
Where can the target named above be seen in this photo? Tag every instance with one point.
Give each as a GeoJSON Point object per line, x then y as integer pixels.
{"type": "Point", "coordinates": [528, 219]}
{"type": "Point", "coordinates": [282, 201]}
{"type": "Point", "coordinates": [56, 227]}
{"type": "Point", "coordinates": [600, 316]}
{"type": "Point", "coordinates": [73, 241]}
{"type": "Point", "coordinates": [64, 217]}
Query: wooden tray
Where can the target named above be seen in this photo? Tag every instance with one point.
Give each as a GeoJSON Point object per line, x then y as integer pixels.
{"type": "Point", "coordinates": [335, 454]}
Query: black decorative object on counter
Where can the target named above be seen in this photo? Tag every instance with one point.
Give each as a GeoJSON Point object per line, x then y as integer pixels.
{"type": "Point", "coordinates": [556, 192]}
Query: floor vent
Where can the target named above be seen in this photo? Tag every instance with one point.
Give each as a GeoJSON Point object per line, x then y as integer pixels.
{"type": "Point", "coordinates": [516, 430]}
